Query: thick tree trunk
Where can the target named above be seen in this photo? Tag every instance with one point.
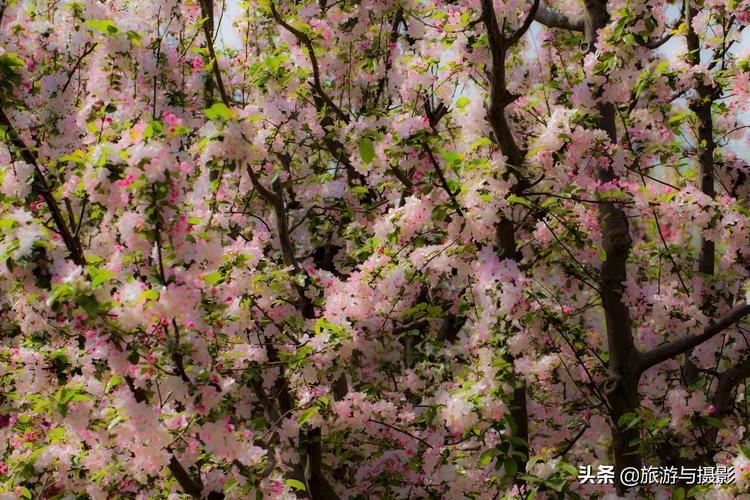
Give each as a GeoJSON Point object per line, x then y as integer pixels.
{"type": "Point", "coordinates": [622, 387]}
{"type": "Point", "coordinates": [701, 106]}
{"type": "Point", "coordinates": [505, 240]}
{"type": "Point", "coordinates": [506, 244]}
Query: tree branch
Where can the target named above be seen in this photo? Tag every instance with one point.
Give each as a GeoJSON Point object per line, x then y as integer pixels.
{"type": "Point", "coordinates": [552, 19]}
{"type": "Point", "coordinates": [207, 11]}
{"type": "Point", "coordinates": [728, 380]}
{"type": "Point", "coordinates": [499, 95]}
{"type": "Point", "coordinates": [569, 443]}
{"type": "Point", "coordinates": [265, 193]}
{"type": "Point", "coordinates": [398, 18]}
{"type": "Point", "coordinates": [668, 33]}
{"type": "Point", "coordinates": [29, 156]}
{"type": "Point", "coordinates": [87, 50]}
{"type": "Point", "coordinates": [305, 40]}
{"type": "Point", "coordinates": [684, 344]}
{"type": "Point", "coordinates": [505, 239]}
{"type": "Point", "coordinates": [188, 484]}
{"type": "Point", "coordinates": [441, 176]}
{"type": "Point", "coordinates": [515, 37]}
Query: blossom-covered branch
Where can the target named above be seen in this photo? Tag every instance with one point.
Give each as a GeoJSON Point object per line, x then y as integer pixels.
{"type": "Point", "coordinates": [674, 348]}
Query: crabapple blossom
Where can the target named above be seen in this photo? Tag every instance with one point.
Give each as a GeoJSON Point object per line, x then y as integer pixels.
{"type": "Point", "coordinates": [372, 248]}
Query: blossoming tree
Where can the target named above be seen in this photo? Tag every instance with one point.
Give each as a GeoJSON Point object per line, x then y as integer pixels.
{"type": "Point", "coordinates": [373, 249]}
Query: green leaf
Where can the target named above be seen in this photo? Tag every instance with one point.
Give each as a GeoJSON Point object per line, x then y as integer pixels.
{"type": "Point", "coordinates": [89, 304]}
{"type": "Point", "coordinates": [113, 382]}
{"type": "Point", "coordinates": [305, 415]}
{"type": "Point", "coordinates": [104, 25]}
{"type": "Point", "coordinates": [533, 461]}
{"type": "Point", "coordinates": [453, 185]}
{"type": "Point", "coordinates": [8, 64]}
{"type": "Point", "coordinates": [148, 295]}
{"type": "Point", "coordinates": [7, 223]}
{"type": "Point", "coordinates": [152, 128]}
{"type": "Point", "coordinates": [366, 150]}
{"type": "Point", "coordinates": [715, 422]}
{"type": "Point", "coordinates": [63, 409]}
{"type": "Point", "coordinates": [451, 156]}
{"type": "Point", "coordinates": [320, 325]}
{"type": "Point", "coordinates": [676, 118]}
{"type": "Point", "coordinates": [179, 130]}
{"type": "Point", "coordinates": [300, 279]}
{"type": "Point", "coordinates": [481, 142]}
{"type": "Point", "coordinates": [135, 37]}
{"type": "Point", "coordinates": [58, 293]}
{"type": "Point", "coordinates": [101, 276]}
{"type": "Point", "coordinates": [698, 488]}
{"type": "Point", "coordinates": [439, 213]}
{"type": "Point", "coordinates": [217, 111]}
{"type": "Point", "coordinates": [517, 199]}
{"type": "Point", "coordinates": [65, 395]}
{"type": "Point", "coordinates": [114, 422]}
{"type": "Point", "coordinates": [556, 484]}
{"type": "Point", "coordinates": [56, 435]}
{"type": "Point", "coordinates": [569, 468]}
{"type": "Point", "coordinates": [214, 278]}
{"type": "Point", "coordinates": [36, 453]}
{"type": "Point", "coordinates": [511, 467]}
{"type": "Point", "coordinates": [229, 485]}
{"type": "Point", "coordinates": [626, 418]}
{"type": "Point", "coordinates": [486, 457]}
{"type": "Point", "coordinates": [297, 485]}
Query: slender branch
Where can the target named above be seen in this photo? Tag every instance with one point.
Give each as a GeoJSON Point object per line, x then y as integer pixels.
{"type": "Point", "coordinates": [505, 238]}
{"type": "Point", "coordinates": [441, 176]}
{"type": "Point", "coordinates": [515, 37]}
{"type": "Point", "coordinates": [282, 225]}
{"type": "Point", "coordinates": [265, 193]}
{"type": "Point", "coordinates": [323, 103]}
{"type": "Point", "coordinates": [305, 40]}
{"type": "Point", "coordinates": [208, 28]}
{"type": "Point", "coordinates": [668, 33]}
{"type": "Point", "coordinates": [29, 156]}
{"type": "Point", "coordinates": [401, 176]}
{"type": "Point", "coordinates": [80, 217]}
{"type": "Point", "coordinates": [398, 18]}
{"type": "Point", "coordinates": [192, 487]}
{"type": "Point", "coordinates": [684, 344]}
{"type": "Point", "coordinates": [386, 424]}
{"type": "Point", "coordinates": [88, 50]}
{"type": "Point", "coordinates": [571, 442]}
{"type": "Point", "coordinates": [658, 42]}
